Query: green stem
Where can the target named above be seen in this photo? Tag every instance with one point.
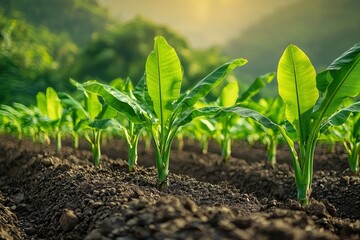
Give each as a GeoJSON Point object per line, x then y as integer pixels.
{"type": "Point", "coordinates": [58, 141]}
{"type": "Point", "coordinates": [147, 140]}
{"type": "Point", "coordinates": [180, 146]}
{"type": "Point", "coordinates": [354, 157]}
{"type": "Point", "coordinates": [76, 140]}
{"type": "Point", "coordinates": [271, 149]}
{"type": "Point", "coordinates": [96, 150]}
{"type": "Point", "coordinates": [162, 156]}
{"type": "Point", "coordinates": [204, 142]}
{"type": "Point", "coordinates": [307, 158]}
{"type": "Point", "coordinates": [226, 149]}
{"type": "Point", "coordinates": [162, 166]}
{"type": "Point", "coordinates": [226, 143]}
{"type": "Point", "coordinates": [133, 153]}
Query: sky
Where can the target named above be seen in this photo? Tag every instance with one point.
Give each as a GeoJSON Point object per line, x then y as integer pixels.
{"type": "Point", "coordinates": [202, 22]}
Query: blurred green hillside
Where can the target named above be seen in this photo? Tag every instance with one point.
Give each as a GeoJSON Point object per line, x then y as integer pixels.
{"type": "Point", "coordinates": [46, 43]}
{"type": "Point", "coordinates": [323, 29]}
{"type": "Point", "coordinates": [78, 18]}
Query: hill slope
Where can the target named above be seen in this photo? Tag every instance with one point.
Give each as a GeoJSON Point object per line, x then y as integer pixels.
{"type": "Point", "coordinates": [323, 29]}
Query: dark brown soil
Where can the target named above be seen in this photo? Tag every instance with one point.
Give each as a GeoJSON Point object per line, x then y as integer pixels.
{"type": "Point", "coordinates": [46, 195]}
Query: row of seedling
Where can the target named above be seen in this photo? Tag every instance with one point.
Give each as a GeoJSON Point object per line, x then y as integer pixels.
{"type": "Point", "coordinates": [308, 106]}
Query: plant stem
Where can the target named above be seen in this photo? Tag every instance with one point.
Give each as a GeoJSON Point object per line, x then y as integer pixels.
{"type": "Point", "coordinates": [204, 142]}
{"type": "Point", "coordinates": [354, 157]}
{"type": "Point", "coordinates": [76, 140]}
{"type": "Point", "coordinates": [133, 153]}
{"type": "Point", "coordinates": [162, 156]}
{"type": "Point", "coordinates": [147, 140]}
{"type": "Point", "coordinates": [162, 166]}
{"type": "Point", "coordinates": [180, 145]}
{"type": "Point", "coordinates": [226, 149]}
{"type": "Point", "coordinates": [96, 150]}
{"type": "Point", "coordinates": [58, 141]}
{"type": "Point", "coordinates": [271, 150]}
{"type": "Point", "coordinates": [307, 158]}
{"type": "Point", "coordinates": [226, 142]}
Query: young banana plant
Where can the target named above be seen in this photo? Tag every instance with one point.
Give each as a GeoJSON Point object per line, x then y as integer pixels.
{"type": "Point", "coordinates": [50, 107]}
{"type": "Point", "coordinates": [353, 145]}
{"type": "Point", "coordinates": [93, 118]}
{"type": "Point", "coordinates": [228, 97]}
{"type": "Point", "coordinates": [12, 120]}
{"type": "Point", "coordinates": [274, 109]}
{"type": "Point", "coordinates": [350, 134]}
{"type": "Point", "coordinates": [159, 106]}
{"type": "Point", "coordinates": [311, 102]}
{"type": "Point", "coordinates": [131, 130]}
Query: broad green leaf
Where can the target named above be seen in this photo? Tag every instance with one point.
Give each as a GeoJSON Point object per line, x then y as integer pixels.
{"type": "Point", "coordinates": [163, 78]}
{"type": "Point", "coordinates": [247, 113]}
{"type": "Point", "coordinates": [356, 129]}
{"type": "Point", "coordinates": [53, 104]}
{"type": "Point", "coordinates": [297, 88]}
{"type": "Point", "coordinates": [106, 112]}
{"type": "Point", "coordinates": [229, 94]}
{"type": "Point", "coordinates": [101, 124]}
{"type": "Point", "coordinates": [11, 111]}
{"type": "Point", "coordinates": [128, 86]}
{"type": "Point", "coordinates": [140, 89]}
{"type": "Point", "coordinates": [188, 115]}
{"type": "Point", "coordinates": [81, 124]}
{"type": "Point", "coordinates": [21, 107]}
{"type": "Point", "coordinates": [93, 105]}
{"type": "Point", "coordinates": [41, 103]}
{"type": "Point", "coordinates": [206, 84]}
{"type": "Point", "coordinates": [73, 104]}
{"type": "Point", "coordinates": [341, 116]}
{"type": "Point", "coordinates": [256, 86]}
{"type": "Point", "coordinates": [118, 83]}
{"type": "Point", "coordinates": [206, 125]}
{"type": "Point", "coordinates": [276, 111]}
{"type": "Point", "coordinates": [339, 82]}
{"type": "Point", "coordinates": [118, 101]}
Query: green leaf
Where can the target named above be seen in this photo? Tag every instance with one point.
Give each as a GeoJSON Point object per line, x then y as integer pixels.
{"type": "Point", "coordinates": [163, 78]}
{"type": "Point", "coordinates": [41, 103]}
{"type": "Point", "coordinates": [276, 111]}
{"type": "Point", "coordinates": [188, 115]}
{"type": "Point", "coordinates": [229, 94]}
{"type": "Point", "coordinates": [107, 112]}
{"type": "Point", "coordinates": [93, 105]}
{"type": "Point", "coordinates": [206, 125]}
{"type": "Point", "coordinates": [118, 83]}
{"type": "Point", "coordinates": [341, 116]}
{"type": "Point", "coordinates": [141, 89]}
{"type": "Point", "coordinates": [339, 82]}
{"type": "Point", "coordinates": [101, 124]}
{"type": "Point", "coordinates": [256, 86]}
{"type": "Point", "coordinates": [10, 111]}
{"type": "Point", "coordinates": [247, 113]}
{"type": "Point", "coordinates": [129, 88]}
{"type": "Point", "coordinates": [53, 104]}
{"type": "Point", "coordinates": [297, 87]}
{"type": "Point", "coordinates": [118, 101]}
{"type": "Point", "coordinates": [74, 105]}
{"type": "Point", "coordinates": [206, 84]}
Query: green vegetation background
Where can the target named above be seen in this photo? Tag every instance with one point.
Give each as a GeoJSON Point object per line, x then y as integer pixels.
{"type": "Point", "coordinates": [44, 43]}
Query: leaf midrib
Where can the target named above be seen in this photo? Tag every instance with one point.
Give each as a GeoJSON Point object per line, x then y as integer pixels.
{"type": "Point", "coordinates": [159, 85]}
{"type": "Point", "coordinates": [297, 95]}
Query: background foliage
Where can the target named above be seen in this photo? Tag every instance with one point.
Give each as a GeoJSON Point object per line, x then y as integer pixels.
{"type": "Point", "coordinates": [45, 43]}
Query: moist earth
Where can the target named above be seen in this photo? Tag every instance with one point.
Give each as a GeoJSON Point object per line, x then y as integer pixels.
{"type": "Point", "coordinates": [50, 195]}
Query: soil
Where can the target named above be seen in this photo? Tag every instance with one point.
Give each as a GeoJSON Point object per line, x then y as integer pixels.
{"type": "Point", "coordinates": [49, 195]}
